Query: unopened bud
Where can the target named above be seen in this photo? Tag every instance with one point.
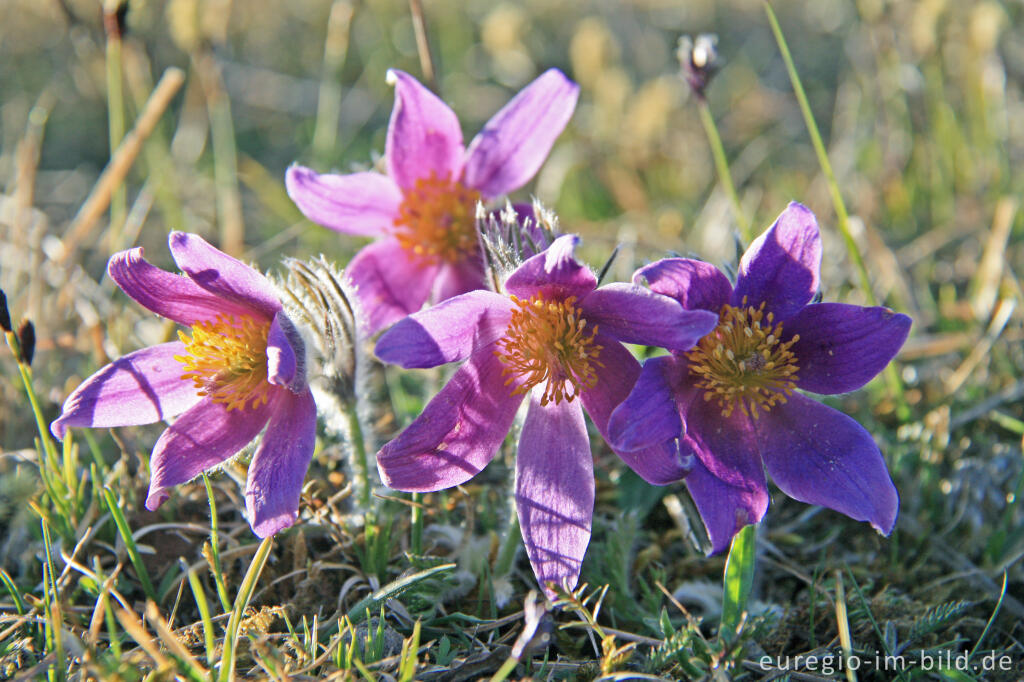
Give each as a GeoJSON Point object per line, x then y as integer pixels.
{"type": "Point", "coordinates": [27, 341]}
{"type": "Point", "coordinates": [5, 314]}
{"type": "Point", "coordinates": [698, 60]}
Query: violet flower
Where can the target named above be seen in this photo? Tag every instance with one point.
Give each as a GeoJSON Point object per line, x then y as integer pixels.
{"type": "Point", "coordinates": [734, 391]}
{"type": "Point", "coordinates": [553, 337]}
{"type": "Point", "coordinates": [423, 211]}
{"type": "Point", "coordinates": [241, 367]}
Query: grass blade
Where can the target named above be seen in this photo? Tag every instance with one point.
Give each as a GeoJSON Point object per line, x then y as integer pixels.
{"type": "Point", "coordinates": [129, 542]}
{"type": "Point", "coordinates": [738, 580]}
{"type": "Point", "coordinates": [245, 590]}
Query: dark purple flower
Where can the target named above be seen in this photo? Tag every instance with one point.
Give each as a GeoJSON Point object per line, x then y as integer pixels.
{"type": "Point", "coordinates": [734, 391]}
{"type": "Point", "coordinates": [423, 211]}
{"type": "Point", "coordinates": [553, 337]}
{"type": "Point", "coordinates": [241, 367]}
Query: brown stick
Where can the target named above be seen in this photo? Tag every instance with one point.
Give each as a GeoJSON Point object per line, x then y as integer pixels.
{"type": "Point", "coordinates": [113, 175]}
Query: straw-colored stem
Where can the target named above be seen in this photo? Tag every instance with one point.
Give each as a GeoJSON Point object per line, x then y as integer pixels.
{"type": "Point", "coordinates": [225, 156]}
{"type": "Point", "coordinates": [115, 120]}
{"type": "Point", "coordinates": [419, 23]}
{"type": "Point", "coordinates": [722, 166]}
{"type": "Point", "coordinates": [328, 109]}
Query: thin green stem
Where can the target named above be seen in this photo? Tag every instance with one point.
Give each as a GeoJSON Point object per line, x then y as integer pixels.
{"type": "Point", "coordinates": [722, 166]}
{"type": "Point", "coordinates": [892, 378]}
{"type": "Point", "coordinates": [218, 575]}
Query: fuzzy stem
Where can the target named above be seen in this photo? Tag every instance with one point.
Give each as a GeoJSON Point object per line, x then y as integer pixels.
{"type": "Point", "coordinates": [362, 464]}
{"type": "Point", "coordinates": [507, 553]}
{"type": "Point", "coordinates": [722, 166]}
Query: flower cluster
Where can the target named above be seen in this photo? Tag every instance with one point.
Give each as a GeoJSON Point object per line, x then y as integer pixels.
{"type": "Point", "coordinates": [717, 411]}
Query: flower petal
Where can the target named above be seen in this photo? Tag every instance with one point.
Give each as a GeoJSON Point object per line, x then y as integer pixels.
{"type": "Point", "coordinates": [424, 135]}
{"type": "Point", "coordinates": [200, 440]}
{"type": "Point", "coordinates": [649, 415]}
{"type": "Point", "coordinates": [729, 447]}
{"type": "Point", "coordinates": [358, 203]}
{"type": "Point", "coordinates": [659, 464]}
{"type": "Point", "coordinates": [555, 491]}
{"type": "Point", "coordinates": [390, 284]}
{"type": "Point", "coordinates": [821, 456]}
{"type": "Point", "coordinates": [286, 355]}
{"type": "Point", "coordinates": [842, 347]}
{"type": "Point", "coordinates": [280, 463]}
{"type": "Point", "coordinates": [139, 388]}
{"type": "Point", "coordinates": [458, 432]}
{"type": "Point", "coordinates": [449, 331]}
{"type": "Point", "coordinates": [633, 314]}
{"type": "Point", "coordinates": [725, 509]}
{"type": "Point", "coordinates": [780, 268]}
{"type": "Point", "coordinates": [175, 297]}
{"type": "Point", "coordinates": [514, 143]}
{"type": "Point", "coordinates": [555, 273]}
{"type": "Point", "coordinates": [695, 284]}
{"type": "Point", "coordinates": [222, 275]}
{"type": "Point", "coordinates": [458, 278]}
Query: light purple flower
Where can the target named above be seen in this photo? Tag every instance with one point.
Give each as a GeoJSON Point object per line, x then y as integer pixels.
{"type": "Point", "coordinates": [734, 392]}
{"type": "Point", "coordinates": [422, 212]}
{"type": "Point", "coordinates": [241, 368]}
{"type": "Point", "coordinates": [554, 337]}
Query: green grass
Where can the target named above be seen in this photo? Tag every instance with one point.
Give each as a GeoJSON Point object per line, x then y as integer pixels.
{"type": "Point", "coordinates": [895, 122]}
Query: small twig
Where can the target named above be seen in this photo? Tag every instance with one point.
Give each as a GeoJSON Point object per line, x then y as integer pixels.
{"type": "Point", "coordinates": [419, 24]}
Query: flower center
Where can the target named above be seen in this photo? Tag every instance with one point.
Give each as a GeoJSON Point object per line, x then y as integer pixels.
{"type": "Point", "coordinates": [744, 362]}
{"type": "Point", "coordinates": [437, 220]}
{"type": "Point", "coordinates": [227, 360]}
{"type": "Point", "coordinates": [548, 341]}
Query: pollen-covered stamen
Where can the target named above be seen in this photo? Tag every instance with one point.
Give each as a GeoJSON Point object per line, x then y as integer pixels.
{"type": "Point", "coordinates": [744, 361]}
{"type": "Point", "coordinates": [549, 341]}
{"type": "Point", "coordinates": [437, 220]}
{"type": "Point", "coordinates": [226, 358]}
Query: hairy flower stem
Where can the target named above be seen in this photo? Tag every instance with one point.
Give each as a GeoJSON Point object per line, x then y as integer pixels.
{"type": "Point", "coordinates": [892, 377]}
{"type": "Point", "coordinates": [507, 553]}
{"type": "Point", "coordinates": [360, 460]}
{"type": "Point", "coordinates": [416, 543]}
{"type": "Point", "coordinates": [722, 166]}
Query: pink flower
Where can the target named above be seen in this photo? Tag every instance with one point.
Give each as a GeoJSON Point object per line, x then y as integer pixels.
{"type": "Point", "coordinates": [423, 210]}
{"type": "Point", "coordinates": [242, 368]}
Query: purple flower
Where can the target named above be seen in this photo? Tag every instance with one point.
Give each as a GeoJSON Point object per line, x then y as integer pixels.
{"type": "Point", "coordinates": [553, 337]}
{"type": "Point", "coordinates": [240, 368]}
{"type": "Point", "coordinates": [423, 210]}
{"type": "Point", "coordinates": [734, 391]}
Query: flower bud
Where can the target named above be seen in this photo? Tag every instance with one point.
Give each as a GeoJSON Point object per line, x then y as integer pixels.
{"type": "Point", "coordinates": [5, 314]}
{"type": "Point", "coordinates": [27, 341]}
{"type": "Point", "coordinates": [698, 60]}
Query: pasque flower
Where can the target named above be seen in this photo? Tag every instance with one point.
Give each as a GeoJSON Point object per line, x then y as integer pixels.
{"type": "Point", "coordinates": [555, 339]}
{"type": "Point", "coordinates": [423, 210]}
{"type": "Point", "coordinates": [240, 367]}
{"type": "Point", "coordinates": [731, 399]}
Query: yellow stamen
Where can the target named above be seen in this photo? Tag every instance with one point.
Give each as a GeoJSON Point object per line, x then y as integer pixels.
{"type": "Point", "coordinates": [436, 220]}
{"type": "Point", "coordinates": [227, 360]}
{"type": "Point", "coordinates": [744, 363]}
{"type": "Point", "coordinates": [548, 341]}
